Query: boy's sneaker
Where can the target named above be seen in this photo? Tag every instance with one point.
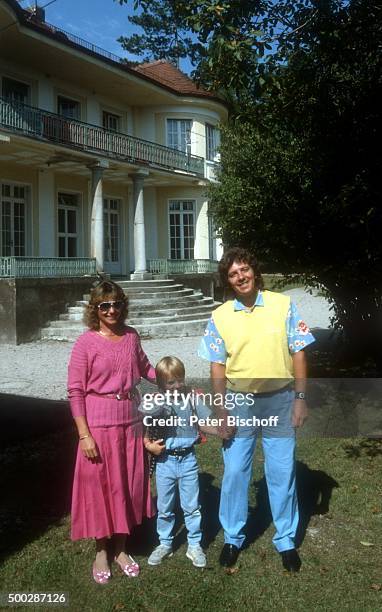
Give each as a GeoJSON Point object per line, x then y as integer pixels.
{"type": "Point", "coordinates": [159, 553]}
{"type": "Point", "coordinates": [197, 556]}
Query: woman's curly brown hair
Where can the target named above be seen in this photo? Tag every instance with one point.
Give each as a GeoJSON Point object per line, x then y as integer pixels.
{"type": "Point", "coordinates": [239, 255]}
{"type": "Point", "coordinates": [106, 291]}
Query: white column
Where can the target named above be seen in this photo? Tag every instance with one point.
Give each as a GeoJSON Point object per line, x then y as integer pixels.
{"type": "Point", "coordinates": [47, 212]}
{"type": "Point", "coordinates": [140, 271]}
{"type": "Point", "coordinates": [96, 227]}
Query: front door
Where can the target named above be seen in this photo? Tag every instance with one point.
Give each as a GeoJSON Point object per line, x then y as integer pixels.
{"type": "Point", "coordinates": [111, 209]}
{"type": "Point", "coordinates": [13, 220]}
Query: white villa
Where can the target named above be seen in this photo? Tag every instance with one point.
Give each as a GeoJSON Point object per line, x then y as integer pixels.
{"type": "Point", "coordinates": [102, 165]}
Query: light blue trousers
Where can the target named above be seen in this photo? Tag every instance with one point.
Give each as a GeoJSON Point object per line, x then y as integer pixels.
{"type": "Point", "coordinates": [172, 473]}
{"type": "Point", "coordinates": [279, 454]}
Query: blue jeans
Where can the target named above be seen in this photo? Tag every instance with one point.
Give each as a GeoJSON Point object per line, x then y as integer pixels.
{"type": "Point", "coordinates": [172, 473]}
{"type": "Point", "coordinates": [279, 453]}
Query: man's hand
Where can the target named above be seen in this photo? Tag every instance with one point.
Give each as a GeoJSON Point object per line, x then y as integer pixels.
{"type": "Point", "coordinates": [225, 431]}
{"type": "Point", "coordinates": [155, 447]}
{"type": "Point", "coordinates": [299, 413]}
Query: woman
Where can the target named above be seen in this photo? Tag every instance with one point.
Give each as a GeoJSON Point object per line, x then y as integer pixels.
{"type": "Point", "coordinates": [111, 489]}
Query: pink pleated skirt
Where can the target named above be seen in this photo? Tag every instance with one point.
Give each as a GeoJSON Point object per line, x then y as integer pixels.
{"type": "Point", "coordinates": [111, 494]}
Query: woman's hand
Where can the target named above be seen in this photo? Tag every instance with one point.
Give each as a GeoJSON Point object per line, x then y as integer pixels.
{"type": "Point", "coordinates": [156, 447]}
{"type": "Point", "coordinates": [89, 447]}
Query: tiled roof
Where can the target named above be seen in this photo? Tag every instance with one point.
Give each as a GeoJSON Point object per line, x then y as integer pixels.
{"type": "Point", "coordinates": [161, 72]}
{"type": "Point", "coordinates": [169, 75]}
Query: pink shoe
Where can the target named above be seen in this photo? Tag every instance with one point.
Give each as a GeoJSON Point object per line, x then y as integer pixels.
{"type": "Point", "coordinates": [101, 576]}
{"type": "Point", "coordinates": [130, 569]}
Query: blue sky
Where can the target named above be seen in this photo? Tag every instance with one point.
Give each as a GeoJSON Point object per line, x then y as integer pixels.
{"type": "Point", "coordinates": [98, 21]}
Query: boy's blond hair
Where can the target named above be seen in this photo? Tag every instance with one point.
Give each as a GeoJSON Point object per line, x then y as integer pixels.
{"type": "Point", "coordinates": [167, 368]}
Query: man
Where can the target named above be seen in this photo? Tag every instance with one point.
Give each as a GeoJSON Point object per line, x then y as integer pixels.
{"type": "Point", "coordinates": [255, 345]}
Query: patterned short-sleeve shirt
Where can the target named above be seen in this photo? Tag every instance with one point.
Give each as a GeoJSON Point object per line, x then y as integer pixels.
{"type": "Point", "coordinates": [212, 347]}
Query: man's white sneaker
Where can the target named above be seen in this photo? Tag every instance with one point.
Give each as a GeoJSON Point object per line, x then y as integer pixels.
{"type": "Point", "coordinates": [197, 556]}
{"type": "Point", "coordinates": [159, 553]}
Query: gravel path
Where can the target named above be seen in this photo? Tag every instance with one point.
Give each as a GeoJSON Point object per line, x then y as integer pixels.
{"type": "Point", "coordinates": [38, 369]}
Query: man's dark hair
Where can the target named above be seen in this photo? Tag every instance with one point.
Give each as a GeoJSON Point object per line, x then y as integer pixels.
{"type": "Point", "coordinates": [239, 255]}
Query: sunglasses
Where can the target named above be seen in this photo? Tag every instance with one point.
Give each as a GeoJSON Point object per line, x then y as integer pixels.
{"type": "Point", "coordinates": [105, 306]}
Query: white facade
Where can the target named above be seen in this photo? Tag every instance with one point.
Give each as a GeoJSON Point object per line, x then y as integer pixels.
{"type": "Point", "coordinates": [125, 145]}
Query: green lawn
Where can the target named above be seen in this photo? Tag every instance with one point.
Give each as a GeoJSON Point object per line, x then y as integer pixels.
{"type": "Point", "coordinates": [340, 494]}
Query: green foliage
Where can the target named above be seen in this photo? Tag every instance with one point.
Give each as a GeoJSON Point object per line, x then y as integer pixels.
{"type": "Point", "coordinates": [225, 40]}
{"type": "Point", "coordinates": [164, 35]}
{"type": "Point", "coordinates": [300, 176]}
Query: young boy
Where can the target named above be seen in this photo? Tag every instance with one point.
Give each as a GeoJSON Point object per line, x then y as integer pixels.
{"type": "Point", "coordinates": [176, 465]}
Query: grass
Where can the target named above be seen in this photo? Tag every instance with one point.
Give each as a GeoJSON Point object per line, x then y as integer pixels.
{"type": "Point", "coordinates": [339, 484]}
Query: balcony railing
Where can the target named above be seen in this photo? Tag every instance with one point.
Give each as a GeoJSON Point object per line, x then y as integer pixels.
{"type": "Point", "coordinates": [46, 126]}
{"type": "Point", "coordinates": [37, 267]}
{"type": "Point", "coordinates": [182, 266]}
{"type": "Point", "coordinates": [80, 42]}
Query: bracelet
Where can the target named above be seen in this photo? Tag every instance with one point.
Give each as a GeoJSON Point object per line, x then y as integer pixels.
{"type": "Point", "coordinates": [300, 395]}
{"type": "Point", "coordinates": [85, 436]}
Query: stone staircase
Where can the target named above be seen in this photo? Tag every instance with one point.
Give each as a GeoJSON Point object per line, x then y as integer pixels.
{"type": "Point", "coordinates": [157, 309]}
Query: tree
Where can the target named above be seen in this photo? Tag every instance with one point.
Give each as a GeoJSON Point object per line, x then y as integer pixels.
{"type": "Point", "coordinates": [228, 42]}
{"type": "Point", "coordinates": [165, 36]}
{"type": "Point", "coordinates": [300, 178]}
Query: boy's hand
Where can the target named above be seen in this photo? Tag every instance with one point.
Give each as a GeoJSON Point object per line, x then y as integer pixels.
{"type": "Point", "coordinates": [225, 432]}
{"type": "Point", "coordinates": [156, 447]}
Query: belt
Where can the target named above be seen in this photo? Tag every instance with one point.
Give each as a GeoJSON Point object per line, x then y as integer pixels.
{"type": "Point", "coordinates": [180, 452]}
{"type": "Point", "coordinates": [127, 395]}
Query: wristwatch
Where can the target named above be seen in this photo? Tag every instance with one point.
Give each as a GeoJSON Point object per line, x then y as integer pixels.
{"type": "Point", "coordinates": [300, 395]}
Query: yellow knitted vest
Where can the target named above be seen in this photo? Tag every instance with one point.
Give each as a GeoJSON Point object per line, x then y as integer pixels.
{"type": "Point", "coordinates": [258, 359]}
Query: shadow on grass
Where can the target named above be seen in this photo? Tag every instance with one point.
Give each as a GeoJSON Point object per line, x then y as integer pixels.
{"type": "Point", "coordinates": [314, 491]}
{"type": "Point", "coordinates": [371, 447]}
{"type": "Point", "coordinates": [37, 457]}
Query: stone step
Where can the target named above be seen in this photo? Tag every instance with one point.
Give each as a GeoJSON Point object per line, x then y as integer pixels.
{"type": "Point", "coordinates": [194, 327]}
{"type": "Point", "coordinates": [147, 285]}
{"type": "Point", "coordinates": [128, 284]}
{"type": "Point", "coordinates": [77, 312]}
{"type": "Point", "coordinates": [170, 302]}
{"type": "Point", "coordinates": [204, 311]}
{"type": "Point", "coordinates": [143, 290]}
{"type": "Point", "coordinates": [152, 295]}
{"type": "Point", "coordinates": [203, 304]}
{"type": "Point", "coordinates": [138, 317]}
{"type": "Point", "coordinates": [138, 322]}
{"type": "Point", "coordinates": [175, 329]}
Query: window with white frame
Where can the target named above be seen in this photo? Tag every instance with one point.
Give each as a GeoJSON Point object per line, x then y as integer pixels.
{"type": "Point", "coordinates": [68, 211]}
{"type": "Point", "coordinates": [111, 122]}
{"type": "Point", "coordinates": [71, 109]}
{"type": "Point", "coordinates": [15, 91]}
{"type": "Point", "coordinates": [179, 134]}
{"type": "Point", "coordinates": [212, 142]}
{"type": "Point", "coordinates": [13, 219]}
{"type": "Point", "coordinates": [182, 229]}
{"type": "Point", "coordinates": [111, 212]}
